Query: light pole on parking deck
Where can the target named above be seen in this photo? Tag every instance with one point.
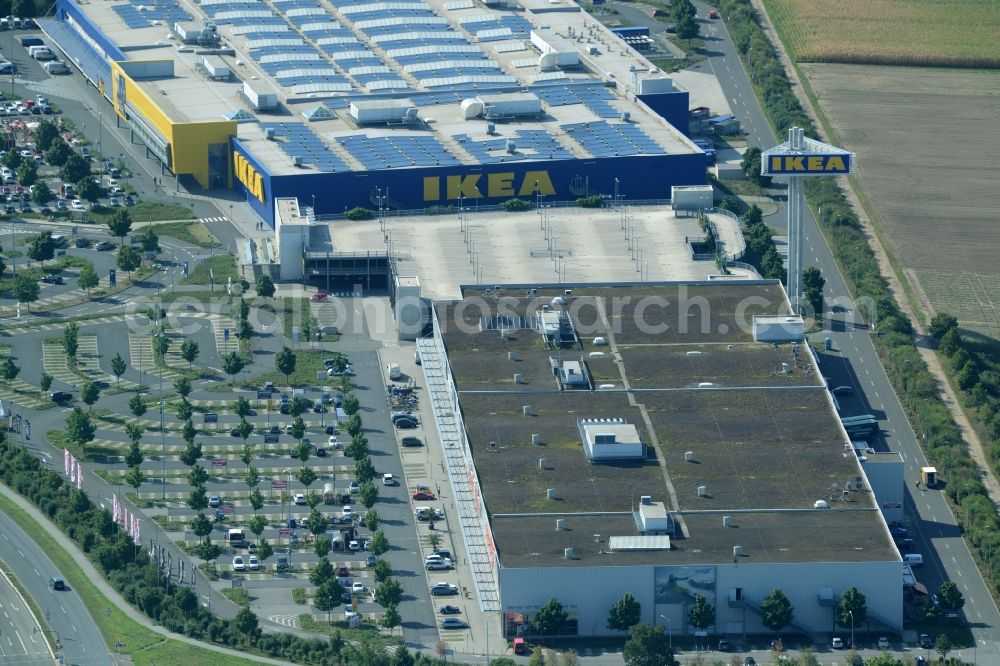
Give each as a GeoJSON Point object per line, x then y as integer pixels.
{"type": "Point", "coordinates": [670, 634]}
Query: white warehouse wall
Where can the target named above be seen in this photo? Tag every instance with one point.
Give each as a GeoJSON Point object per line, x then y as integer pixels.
{"type": "Point", "coordinates": [589, 592]}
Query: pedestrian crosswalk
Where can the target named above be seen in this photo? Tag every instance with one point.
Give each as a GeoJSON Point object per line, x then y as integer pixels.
{"type": "Point", "coordinates": [209, 220]}
{"type": "Point", "coordinates": [220, 326]}
{"type": "Point", "coordinates": [56, 362]}
{"type": "Point", "coordinates": [20, 392]}
{"type": "Point", "coordinates": [285, 620]}
{"type": "Point", "coordinates": [140, 348]}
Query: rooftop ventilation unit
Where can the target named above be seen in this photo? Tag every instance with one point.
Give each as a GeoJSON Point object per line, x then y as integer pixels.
{"type": "Point", "coordinates": [383, 111]}
{"type": "Point", "coordinates": [550, 493]}
{"type": "Point", "coordinates": [296, 160]}
{"type": "Point", "coordinates": [689, 456]}
{"type": "Point", "coordinates": [702, 491]}
{"type": "Point", "coordinates": [560, 524]}
{"type": "Point", "coordinates": [536, 438]}
{"type": "Point", "coordinates": [737, 551]}
{"type": "Point", "coordinates": [727, 521]}
{"type": "Point", "coordinates": [568, 553]}
{"type": "Point", "coordinates": [542, 463]}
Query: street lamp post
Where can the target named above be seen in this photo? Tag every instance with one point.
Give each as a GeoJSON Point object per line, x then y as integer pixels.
{"type": "Point", "coordinates": [670, 634]}
{"type": "Point", "coordinates": [851, 613]}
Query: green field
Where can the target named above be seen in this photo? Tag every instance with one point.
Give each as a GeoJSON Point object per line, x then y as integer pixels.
{"type": "Point", "coordinates": [144, 211]}
{"type": "Point", "coordinates": [956, 33]}
{"type": "Point", "coordinates": [194, 233]}
{"type": "Point", "coordinates": [221, 266]}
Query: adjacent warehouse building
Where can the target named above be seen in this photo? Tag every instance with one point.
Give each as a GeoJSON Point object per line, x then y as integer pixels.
{"type": "Point", "coordinates": [413, 104]}
{"type": "Point", "coordinates": [682, 457]}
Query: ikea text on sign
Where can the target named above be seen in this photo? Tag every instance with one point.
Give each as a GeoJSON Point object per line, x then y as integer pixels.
{"type": "Point", "coordinates": [247, 175]}
{"type": "Point", "coordinates": [804, 165]}
{"type": "Point", "coordinates": [491, 185]}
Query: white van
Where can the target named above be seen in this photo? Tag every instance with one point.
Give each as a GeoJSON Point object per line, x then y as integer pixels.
{"type": "Point", "coordinates": [394, 371]}
{"type": "Point", "coordinates": [913, 559]}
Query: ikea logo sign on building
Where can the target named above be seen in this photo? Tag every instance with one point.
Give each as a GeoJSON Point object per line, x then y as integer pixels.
{"type": "Point", "coordinates": [808, 165]}
{"type": "Point", "coordinates": [249, 176]}
{"type": "Point", "coordinates": [492, 185]}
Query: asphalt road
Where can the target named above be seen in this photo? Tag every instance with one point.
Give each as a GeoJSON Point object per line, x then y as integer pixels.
{"type": "Point", "coordinates": [21, 640]}
{"type": "Point", "coordinates": [65, 613]}
{"type": "Point", "coordinates": [946, 555]}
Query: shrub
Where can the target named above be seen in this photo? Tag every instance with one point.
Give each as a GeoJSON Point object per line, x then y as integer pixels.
{"type": "Point", "coordinates": [592, 201]}
{"type": "Point", "coordinates": [359, 213]}
{"type": "Point", "coordinates": [515, 205]}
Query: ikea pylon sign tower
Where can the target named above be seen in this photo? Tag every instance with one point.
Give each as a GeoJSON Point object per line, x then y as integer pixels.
{"type": "Point", "coordinates": [797, 158]}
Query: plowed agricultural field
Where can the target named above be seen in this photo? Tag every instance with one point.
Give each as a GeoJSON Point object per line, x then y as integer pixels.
{"type": "Point", "coordinates": [929, 163]}
{"type": "Point", "coordinates": [956, 33]}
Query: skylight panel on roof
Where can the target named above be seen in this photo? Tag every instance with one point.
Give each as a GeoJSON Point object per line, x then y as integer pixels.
{"type": "Point", "coordinates": [350, 55]}
{"type": "Point", "coordinates": [548, 76]}
{"type": "Point", "coordinates": [525, 62]}
{"type": "Point", "coordinates": [298, 71]}
{"type": "Point", "coordinates": [377, 69]}
{"type": "Point", "coordinates": [250, 29]}
{"type": "Point", "coordinates": [243, 14]}
{"type": "Point", "coordinates": [477, 18]}
{"type": "Point", "coordinates": [495, 33]}
{"type": "Point", "coordinates": [450, 64]}
{"type": "Point", "coordinates": [325, 25]}
{"type": "Point", "coordinates": [387, 84]}
{"type": "Point", "coordinates": [402, 21]}
{"type": "Point", "coordinates": [280, 41]}
{"type": "Point", "coordinates": [433, 48]}
{"type": "Point", "coordinates": [288, 57]}
{"type": "Point", "coordinates": [510, 47]}
{"type": "Point", "coordinates": [459, 4]}
{"type": "Point", "coordinates": [346, 39]}
{"type": "Point", "coordinates": [305, 11]}
{"type": "Point", "coordinates": [320, 87]}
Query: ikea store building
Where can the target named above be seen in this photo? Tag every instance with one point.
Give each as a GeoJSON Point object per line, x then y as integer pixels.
{"type": "Point", "coordinates": [408, 104]}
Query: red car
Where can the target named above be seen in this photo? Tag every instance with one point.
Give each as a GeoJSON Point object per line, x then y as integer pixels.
{"type": "Point", "coordinates": [342, 572]}
{"type": "Point", "coordinates": [713, 14]}
{"type": "Point", "coordinates": [423, 495]}
{"type": "Point", "coordinates": [318, 296]}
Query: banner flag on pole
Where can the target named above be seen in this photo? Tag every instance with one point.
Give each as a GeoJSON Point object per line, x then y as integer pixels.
{"type": "Point", "coordinates": [66, 462]}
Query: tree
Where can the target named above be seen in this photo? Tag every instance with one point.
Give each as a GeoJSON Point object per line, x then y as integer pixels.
{"type": "Point", "coordinates": [369, 494]}
{"type": "Point", "coordinates": [183, 387]}
{"type": "Point", "coordinates": [247, 454]}
{"type": "Point", "coordinates": [306, 476]}
{"type": "Point", "coordinates": [702, 613]}
{"type": "Point", "coordinates": [390, 618]}
{"type": "Point", "coordinates": [265, 550]}
{"type": "Point", "coordinates": [751, 166]}
{"type": "Point", "coordinates": [379, 545]}
{"type": "Point", "coordinates": [687, 27]}
{"type": "Point", "coordinates": [9, 371]}
{"type": "Point", "coordinates": [364, 470]}
{"type": "Point", "coordinates": [137, 405]}
{"type": "Point", "coordinates": [191, 453]}
{"type": "Point", "coordinates": [87, 189]}
{"type": "Point", "coordinates": [257, 525]}
{"type": "Point", "coordinates": [942, 645]}
{"type": "Point", "coordinates": [245, 622]}
{"type": "Point", "coordinates": [75, 168]}
{"type": "Point", "coordinates": [256, 500]}
{"type": "Point", "coordinates": [537, 657]}
{"type": "Point", "coordinates": [551, 618]}
{"type": "Point", "coordinates": [372, 520]}
{"type": "Point", "coordinates": [79, 429]}
{"type": "Point", "coordinates": [135, 478]}
{"type": "Point", "coordinates": [41, 195]}
{"type": "Point", "coordinates": [950, 597]}
{"type": "Point", "coordinates": [353, 426]}
{"type": "Point", "coordinates": [233, 364]}
{"type": "Point", "coordinates": [388, 593]}
{"type": "Point", "coordinates": [298, 428]}
{"type": "Point", "coordinates": [149, 240]}
{"type": "Point", "coordinates": [648, 646]}
{"type": "Point", "coordinates": [42, 247]}
{"type": "Point", "coordinates": [134, 456]}
{"type": "Point", "coordinates": [852, 610]}
{"type": "Point", "coordinates": [245, 428]}
{"type": "Point", "coordinates": [285, 362]}
{"type": "Point", "coordinates": [327, 597]}
{"type": "Point", "coordinates": [120, 224]}
{"type": "Point", "coordinates": [45, 381]}
{"type": "Point", "coordinates": [778, 611]}
{"type": "Point", "coordinates": [58, 152]}
{"type": "Point", "coordinates": [381, 571]}
{"type": "Point", "coordinates": [812, 288]}
{"type": "Point", "coordinates": [45, 134]}
{"type": "Point", "coordinates": [71, 340]}
{"type": "Point", "coordinates": [625, 613]}
{"type": "Point", "coordinates": [313, 499]}
{"type": "Point", "coordinates": [351, 405]}
{"type": "Point", "coordinates": [189, 351]}
{"type": "Point", "coordinates": [967, 377]}
{"type": "Point", "coordinates": [242, 407]}
{"type": "Point", "coordinates": [322, 547]}
{"type": "Point", "coordinates": [316, 522]}
{"type": "Point", "coordinates": [950, 343]}
{"type": "Point", "coordinates": [252, 477]}
{"type": "Point", "coordinates": [25, 288]}
{"type": "Point", "coordinates": [201, 526]}
{"type": "Point", "coordinates": [88, 280]}
{"type": "Point", "coordinates": [90, 393]}
{"type": "Point", "coordinates": [265, 287]}
{"type": "Point", "coordinates": [197, 476]}
{"type": "Point", "coordinates": [434, 540]}
{"type": "Point", "coordinates": [322, 572]}
{"type": "Point", "coordinates": [197, 499]}
{"type": "Point", "coordinates": [297, 406]}
{"type": "Point", "coordinates": [358, 448]}
{"type": "Point", "coordinates": [12, 159]}
{"type": "Point", "coordinates": [941, 324]}
{"type": "Point", "coordinates": [27, 173]}
{"type": "Point", "coordinates": [128, 259]}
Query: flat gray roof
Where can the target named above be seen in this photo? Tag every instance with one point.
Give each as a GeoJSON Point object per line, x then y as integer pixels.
{"type": "Point", "coordinates": [730, 426]}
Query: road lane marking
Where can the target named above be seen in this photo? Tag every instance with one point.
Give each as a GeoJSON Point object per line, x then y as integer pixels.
{"type": "Point", "coordinates": [23, 646]}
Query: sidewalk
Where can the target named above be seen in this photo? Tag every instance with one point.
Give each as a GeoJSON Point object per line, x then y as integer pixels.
{"type": "Point", "coordinates": [105, 588]}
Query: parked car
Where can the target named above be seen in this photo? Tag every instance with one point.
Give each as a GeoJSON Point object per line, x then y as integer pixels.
{"type": "Point", "coordinates": [281, 563]}
{"type": "Point", "coordinates": [450, 610]}
{"type": "Point", "coordinates": [300, 499]}
{"type": "Point", "coordinates": [454, 623]}
{"type": "Point", "coordinates": [443, 589]}
{"type": "Point", "coordinates": [215, 501]}
{"type": "Point", "coordinates": [358, 588]}
{"type": "Point", "coordinates": [411, 441]}
{"type": "Point", "coordinates": [239, 564]}
{"type": "Point", "coordinates": [407, 423]}
{"type": "Point", "coordinates": [319, 296]}
{"type": "Point", "coordinates": [53, 279]}
{"type": "Point", "coordinates": [883, 643]}
{"type": "Point", "coordinates": [79, 242]}
{"type": "Point", "coordinates": [423, 495]}
{"type": "Point", "coordinates": [354, 487]}
{"type": "Point", "coordinates": [713, 14]}
{"type": "Point", "coordinates": [103, 246]}
{"type": "Point", "coordinates": [442, 565]}
{"type": "Point", "coordinates": [343, 572]}
{"type": "Point", "coordinates": [253, 563]}
{"type": "Point", "coordinates": [388, 479]}
{"type": "Point", "coordinates": [837, 643]}
{"type": "Point", "coordinates": [60, 396]}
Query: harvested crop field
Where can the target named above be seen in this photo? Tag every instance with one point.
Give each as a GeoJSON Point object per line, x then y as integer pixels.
{"type": "Point", "coordinates": [956, 33]}
{"type": "Point", "coordinates": [927, 143]}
